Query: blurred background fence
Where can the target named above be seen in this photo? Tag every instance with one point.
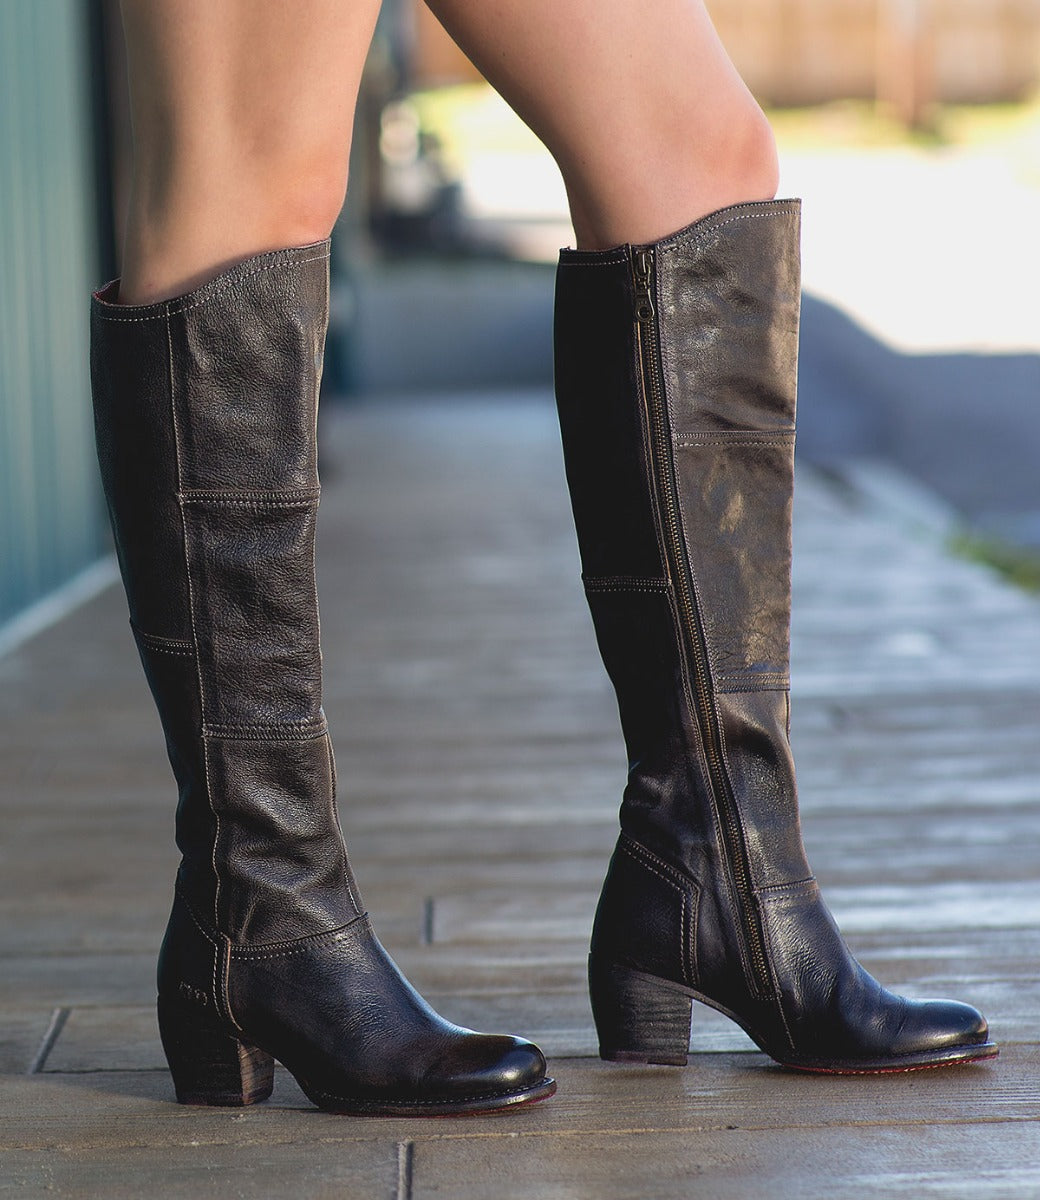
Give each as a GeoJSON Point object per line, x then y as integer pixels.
{"type": "Point", "coordinates": [910, 53]}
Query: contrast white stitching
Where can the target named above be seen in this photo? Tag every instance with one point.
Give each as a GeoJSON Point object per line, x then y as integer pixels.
{"type": "Point", "coordinates": [699, 232]}
{"type": "Point", "coordinates": [169, 308]}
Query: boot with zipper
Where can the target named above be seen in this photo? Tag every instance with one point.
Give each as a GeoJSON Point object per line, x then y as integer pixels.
{"type": "Point", "coordinates": [676, 381]}
{"type": "Point", "coordinates": [205, 412]}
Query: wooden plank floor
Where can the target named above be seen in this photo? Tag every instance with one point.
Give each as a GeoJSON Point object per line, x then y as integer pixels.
{"type": "Point", "coordinates": [481, 765]}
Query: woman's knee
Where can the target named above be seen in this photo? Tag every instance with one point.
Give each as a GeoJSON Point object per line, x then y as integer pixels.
{"type": "Point", "coordinates": [747, 154]}
{"type": "Point", "coordinates": [716, 143]}
{"type": "Point", "coordinates": [676, 164]}
{"type": "Point", "coordinates": [199, 215]}
{"type": "Point", "coordinates": [297, 196]}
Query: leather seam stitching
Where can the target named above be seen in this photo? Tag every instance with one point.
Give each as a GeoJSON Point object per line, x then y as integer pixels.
{"type": "Point", "coordinates": [701, 235]}
{"type": "Point", "coordinates": [220, 943]}
{"type": "Point", "coordinates": [683, 886]}
{"type": "Point", "coordinates": [295, 945]}
{"type": "Point", "coordinates": [778, 996]}
{"type": "Point", "coordinates": [215, 940]}
{"type": "Point", "coordinates": [191, 618]}
{"type": "Point", "coordinates": [691, 940]}
{"type": "Point", "coordinates": [801, 885]}
{"type": "Point", "coordinates": [226, 976]}
{"type": "Point", "coordinates": [630, 587]}
{"type": "Point", "coordinates": [274, 738]}
{"type": "Point", "coordinates": [195, 920]}
{"type": "Point", "coordinates": [248, 494]}
{"type": "Point", "coordinates": [158, 648]}
{"type": "Point", "coordinates": [316, 726]}
{"type": "Point", "coordinates": [214, 982]}
{"type": "Point", "coordinates": [735, 683]}
{"type": "Point", "coordinates": [172, 308]}
{"type": "Point", "coordinates": [616, 259]}
{"type": "Point", "coordinates": [348, 882]}
{"type": "Point", "coordinates": [685, 442]}
{"type": "Point", "coordinates": [624, 583]}
{"type": "Point", "coordinates": [227, 502]}
{"type": "Point", "coordinates": [735, 436]}
{"type": "Point", "coordinates": [156, 641]}
{"type": "Point", "coordinates": [637, 850]}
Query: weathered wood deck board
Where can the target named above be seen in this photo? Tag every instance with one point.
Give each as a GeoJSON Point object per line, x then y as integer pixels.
{"type": "Point", "coordinates": [739, 1090]}
{"type": "Point", "coordinates": [953, 1162]}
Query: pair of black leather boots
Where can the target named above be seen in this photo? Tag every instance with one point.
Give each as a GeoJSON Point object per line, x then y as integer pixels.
{"type": "Point", "coordinates": [676, 367]}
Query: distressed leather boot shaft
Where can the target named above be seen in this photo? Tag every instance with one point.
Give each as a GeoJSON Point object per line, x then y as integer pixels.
{"type": "Point", "coordinates": [205, 416]}
{"type": "Point", "coordinates": [205, 413]}
{"type": "Point", "coordinates": [676, 368]}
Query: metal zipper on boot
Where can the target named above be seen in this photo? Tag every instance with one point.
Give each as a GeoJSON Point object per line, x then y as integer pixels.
{"type": "Point", "coordinates": [692, 632]}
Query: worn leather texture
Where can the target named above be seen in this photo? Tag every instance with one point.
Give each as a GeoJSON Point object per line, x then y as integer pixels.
{"type": "Point", "coordinates": [708, 423]}
{"type": "Point", "coordinates": [336, 1011]}
{"type": "Point", "coordinates": [205, 411]}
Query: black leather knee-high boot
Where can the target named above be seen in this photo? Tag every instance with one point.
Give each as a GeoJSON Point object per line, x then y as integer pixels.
{"type": "Point", "coordinates": [205, 410]}
{"type": "Point", "coordinates": [676, 379]}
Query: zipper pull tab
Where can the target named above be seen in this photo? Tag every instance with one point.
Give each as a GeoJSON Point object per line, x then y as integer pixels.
{"type": "Point", "coordinates": [642, 273]}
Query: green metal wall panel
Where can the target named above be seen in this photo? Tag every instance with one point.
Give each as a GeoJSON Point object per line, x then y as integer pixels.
{"type": "Point", "coordinates": [50, 512]}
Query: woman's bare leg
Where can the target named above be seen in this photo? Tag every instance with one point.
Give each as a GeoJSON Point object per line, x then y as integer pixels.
{"type": "Point", "coordinates": [645, 114]}
{"type": "Point", "coordinates": [242, 116]}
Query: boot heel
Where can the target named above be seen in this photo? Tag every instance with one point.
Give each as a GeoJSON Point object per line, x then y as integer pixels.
{"type": "Point", "coordinates": [639, 1018]}
{"type": "Point", "coordinates": [209, 1065]}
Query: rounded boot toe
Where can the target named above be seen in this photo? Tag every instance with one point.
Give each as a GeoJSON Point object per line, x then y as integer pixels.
{"type": "Point", "coordinates": [522, 1066]}
{"type": "Point", "coordinates": [935, 1025]}
{"type": "Point", "coordinates": [488, 1065]}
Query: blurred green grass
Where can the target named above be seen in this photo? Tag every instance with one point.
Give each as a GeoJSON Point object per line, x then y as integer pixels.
{"type": "Point", "coordinates": [1018, 565]}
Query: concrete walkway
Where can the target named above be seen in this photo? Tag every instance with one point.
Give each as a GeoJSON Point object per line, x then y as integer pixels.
{"type": "Point", "coordinates": [480, 766]}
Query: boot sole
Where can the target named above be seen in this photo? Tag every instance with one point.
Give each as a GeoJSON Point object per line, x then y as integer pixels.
{"type": "Point", "coordinates": [467, 1106]}
{"type": "Point", "coordinates": [954, 1056]}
